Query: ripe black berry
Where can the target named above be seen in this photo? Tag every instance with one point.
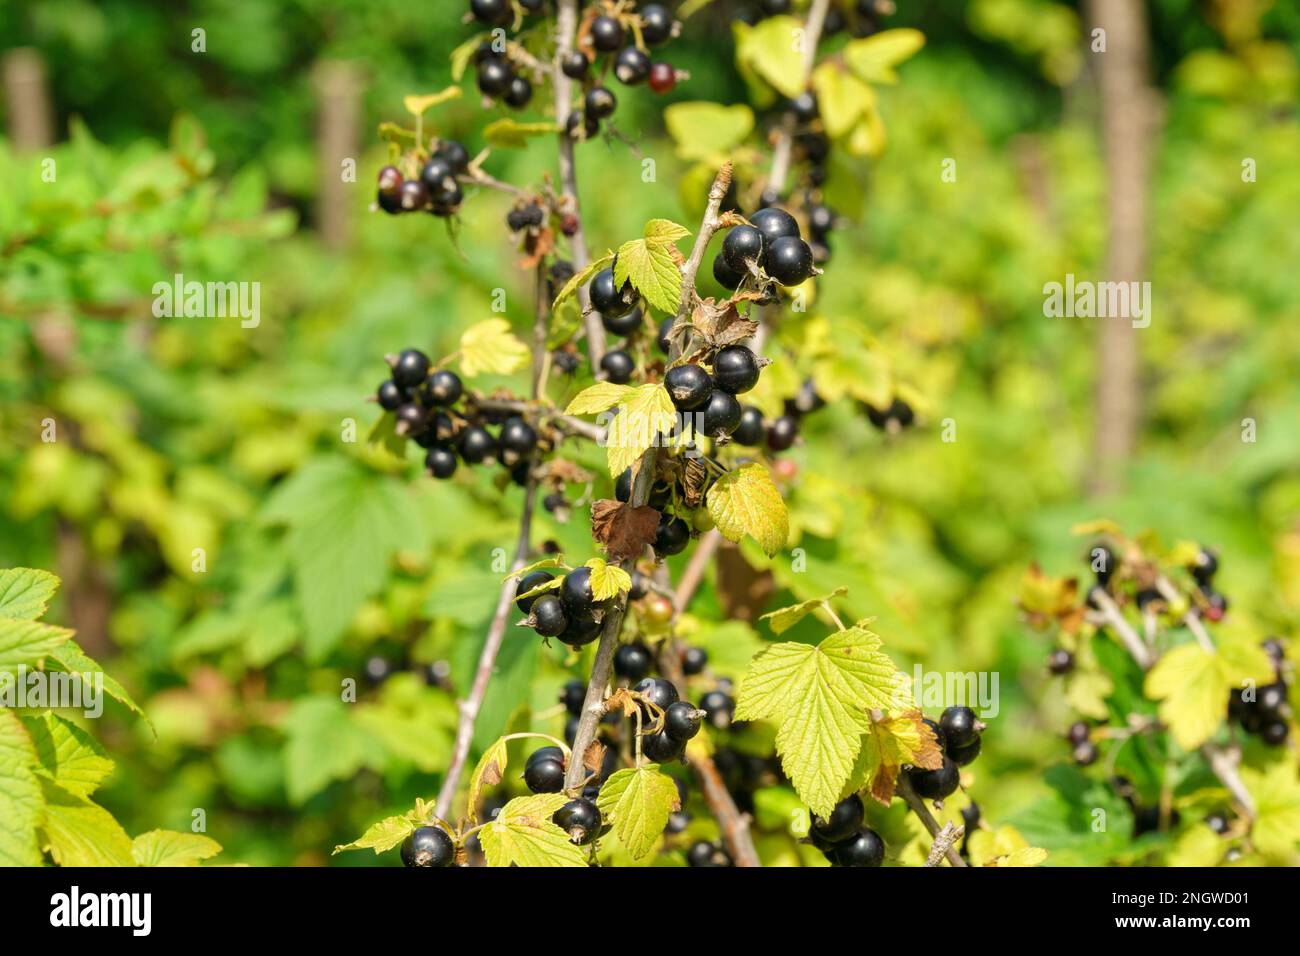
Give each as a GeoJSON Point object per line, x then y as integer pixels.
{"type": "Point", "coordinates": [491, 12]}
{"type": "Point", "coordinates": [694, 660]}
{"type": "Point", "coordinates": [865, 848]}
{"type": "Point", "coordinates": [689, 386]}
{"type": "Point", "coordinates": [428, 847]}
{"type": "Point", "coordinates": [1274, 732]}
{"type": "Point", "coordinates": [775, 224]}
{"type": "Point", "coordinates": [1217, 822]}
{"type": "Point", "coordinates": [599, 102]}
{"type": "Point", "coordinates": [789, 260]}
{"type": "Point", "coordinates": [548, 616]}
{"type": "Point", "coordinates": [742, 245]}
{"type": "Point", "coordinates": [1271, 697]}
{"type": "Point", "coordinates": [935, 784]}
{"type": "Point", "coordinates": [580, 632]}
{"type": "Point", "coordinates": [718, 707]}
{"type": "Point", "coordinates": [631, 66]}
{"type": "Point", "coordinates": [750, 429]}
{"type": "Point", "coordinates": [607, 34]}
{"type": "Point", "coordinates": [726, 276]}
{"type": "Point", "coordinates": [454, 153]}
{"type": "Point", "coordinates": [656, 23]}
{"type": "Point", "coordinates": [623, 485]}
{"type": "Point", "coordinates": [632, 661]}
{"type": "Point", "coordinates": [1205, 566]}
{"type": "Point", "coordinates": [735, 369]}
{"type": "Point", "coordinates": [573, 695]}
{"type": "Point", "coordinates": [519, 92]}
{"type": "Point", "coordinates": [410, 419]}
{"type": "Point", "coordinates": [435, 173]}
{"type": "Point", "coordinates": [1078, 732]}
{"type": "Point", "coordinates": [607, 298]}
{"type": "Point", "coordinates": [477, 445]}
{"type": "Point", "coordinates": [658, 691]}
{"type": "Point", "coordinates": [623, 324]}
{"type": "Point", "coordinates": [821, 220]}
{"type": "Point", "coordinates": [411, 367]}
{"type": "Point", "coordinates": [565, 361]}
{"type": "Point", "coordinates": [576, 594]}
{"type": "Point", "coordinates": [681, 721]}
{"type": "Point", "coordinates": [721, 414]}
{"type": "Point", "coordinates": [444, 387]}
{"type": "Point", "coordinates": [962, 756]}
{"type": "Point", "coordinates": [575, 64]}
{"type": "Point", "coordinates": [617, 366]}
{"type": "Point", "coordinates": [390, 395]}
{"type": "Point", "coordinates": [661, 748]}
{"type": "Point", "coordinates": [662, 77]}
{"type": "Point", "coordinates": [578, 120]}
{"type": "Point", "coordinates": [544, 776]}
{"type": "Point", "coordinates": [580, 819]}
{"type": "Point", "coordinates": [517, 437]}
{"type": "Point", "coordinates": [640, 587]}
{"type": "Point", "coordinates": [672, 536]}
{"type": "Point", "coordinates": [804, 107]}
{"type": "Point", "coordinates": [782, 433]}
{"type": "Point", "coordinates": [704, 854]}
{"type": "Point", "coordinates": [1085, 753]}
{"type": "Point", "coordinates": [526, 584]}
{"type": "Point", "coordinates": [440, 462]}
{"type": "Point", "coordinates": [959, 726]}
{"type": "Point", "coordinates": [843, 822]}
{"type": "Point", "coordinates": [661, 339]}
{"type": "Point", "coordinates": [494, 76]}
{"type": "Point", "coordinates": [1060, 661]}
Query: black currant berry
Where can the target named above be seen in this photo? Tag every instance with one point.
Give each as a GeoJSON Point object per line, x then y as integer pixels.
{"type": "Point", "coordinates": [721, 414]}
{"type": "Point", "coordinates": [843, 822]}
{"type": "Point", "coordinates": [750, 429]}
{"type": "Point", "coordinates": [573, 695]}
{"type": "Point", "coordinates": [576, 594]}
{"type": "Point", "coordinates": [789, 260]}
{"type": "Point", "coordinates": [661, 339]}
{"type": "Point", "coordinates": [1078, 732]}
{"type": "Point", "coordinates": [580, 632]}
{"type": "Point", "coordinates": [640, 586]}
{"type": "Point", "coordinates": [658, 691]}
{"type": "Point", "coordinates": [410, 419]}
{"type": "Point", "coordinates": [804, 107]}
{"type": "Point", "coordinates": [782, 433]}
{"type": "Point", "coordinates": [623, 485]}
{"type": "Point", "coordinates": [821, 220]}
{"type": "Point", "coordinates": [477, 445]}
{"type": "Point", "coordinates": [694, 660]}
{"type": "Point", "coordinates": [725, 276]}
{"type": "Point", "coordinates": [412, 196]}
{"type": "Point", "coordinates": [565, 361]}
{"type": "Point", "coordinates": [575, 64]}
{"type": "Point", "coordinates": [623, 324]}
{"type": "Point", "coordinates": [580, 819]}
{"type": "Point", "coordinates": [410, 368]}
{"type": "Point", "coordinates": [1085, 753]}
{"type": "Point", "coordinates": [494, 76]}
{"type": "Point", "coordinates": [390, 188]}
{"type": "Point", "coordinates": [735, 369]}
{"type": "Point", "coordinates": [578, 120]}
{"type": "Point", "coordinates": [631, 66]}
{"type": "Point", "coordinates": [689, 386]}
{"type": "Point", "coordinates": [681, 721]}
{"type": "Point", "coordinates": [607, 34]}
{"type": "Point", "coordinates": [607, 298]}
{"type": "Point", "coordinates": [1060, 661]}
{"type": "Point", "coordinates": [672, 536]}
{"type": "Point", "coordinates": [517, 437]}
{"type": "Point", "coordinates": [742, 245]}
{"type": "Point", "coordinates": [544, 776]}
{"type": "Point", "coordinates": [544, 753]}
{"type": "Point", "coordinates": [960, 726]}
{"type": "Point", "coordinates": [454, 153]}
{"type": "Point", "coordinates": [534, 579]}
{"type": "Point", "coordinates": [1274, 732]}
{"type": "Point", "coordinates": [661, 748]}
{"type": "Point", "coordinates": [1217, 822]}
{"type": "Point", "coordinates": [963, 756]}
{"type": "Point", "coordinates": [775, 224]}
{"type": "Point", "coordinates": [703, 854]}
{"type": "Point", "coordinates": [618, 366]}
{"type": "Point", "coordinates": [548, 616]}
{"type": "Point", "coordinates": [491, 12]}
{"type": "Point", "coordinates": [718, 708]}
{"type": "Point", "coordinates": [864, 848]}
{"type": "Point", "coordinates": [1271, 697]}
{"type": "Point", "coordinates": [518, 93]}
{"type": "Point", "coordinates": [633, 661]}
{"type": "Point", "coordinates": [935, 784]}
{"type": "Point", "coordinates": [435, 174]}
{"type": "Point", "coordinates": [1205, 566]}
{"type": "Point", "coordinates": [440, 462]}
{"type": "Point", "coordinates": [444, 387]}
{"type": "Point", "coordinates": [656, 23]}
{"type": "Point", "coordinates": [428, 847]}
{"type": "Point", "coordinates": [599, 103]}
{"type": "Point", "coordinates": [390, 395]}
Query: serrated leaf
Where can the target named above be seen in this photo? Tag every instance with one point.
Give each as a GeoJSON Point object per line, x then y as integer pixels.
{"type": "Point", "coordinates": [172, 848]}
{"type": "Point", "coordinates": [782, 619]}
{"type": "Point", "coordinates": [382, 836]}
{"type": "Point", "coordinates": [322, 744]}
{"type": "Point", "coordinates": [873, 58]}
{"type": "Point", "coordinates": [770, 50]}
{"type": "Point", "coordinates": [71, 658]}
{"type": "Point", "coordinates": [664, 230]}
{"type": "Point", "coordinates": [708, 132]}
{"type": "Point", "coordinates": [67, 754]}
{"type": "Point", "coordinates": [23, 643]}
{"type": "Point", "coordinates": [21, 802]}
{"type": "Point", "coordinates": [523, 834]}
{"type": "Point", "coordinates": [894, 740]}
{"type": "Point", "coordinates": [507, 133]}
{"type": "Point", "coordinates": [608, 580]}
{"type": "Point", "coordinates": [652, 266]}
{"type": "Point", "coordinates": [745, 501]}
{"type": "Point", "coordinates": [1002, 847]}
{"type": "Point", "coordinates": [1276, 792]}
{"type": "Point", "coordinates": [1192, 685]}
{"type": "Point", "coordinates": [418, 103]}
{"type": "Point", "coordinates": [647, 413]}
{"type": "Point", "coordinates": [637, 802]}
{"type": "Point", "coordinates": [842, 98]}
{"type": "Point", "coordinates": [82, 833]}
{"type": "Point", "coordinates": [599, 398]}
{"type": "Point", "coordinates": [490, 346]}
{"type": "Point", "coordinates": [819, 696]}
{"type": "Point", "coordinates": [488, 772]}
{"type": "Point", "coordinates": [579, 279]}
{"type": "Point", "coordinates": [25, 593]}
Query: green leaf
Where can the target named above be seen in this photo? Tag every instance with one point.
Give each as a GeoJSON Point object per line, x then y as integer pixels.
{"type": "Point", "coordinates": [71, 658]}
{"type": "Point", "coordinates": [69, 755]}
{"type": "Point", "coordinates": [649, 412]}
{"type": "Point", "coordinates": [383, 434]}
{"type": "Point", "coordinates": [488, 773]}
{"type": "Point", "coordinates": [322, 745]}
{"type": "Point", "coordinates": [23, 643]}
{"type": "Point", "coordinates": [874, 58]}
{"type": "Point", "coordinates": [771, 51]}
{"type": "Point", "coordinates": [1276, 830]}
{"type": "Point", "coordinates": [819, 697]}
{"type": "Point", "coordinates": [490, 346]}
{"type": "Point", "coordinates": [81, 833]}
{"type": "Point", "coordinates": [782, 619]}
{"type": "Point", "coordinates": [608, 580]}
{"type": "Point", "coordinates": [637, 802]}
{"type": "Point", "coordinates": [461, 56]}
{"type": "Point", "coordinates": [507, 133]}
{"type": "Point", "coordinates": [653, 265]}
{"type": "Point", "coordinates": [579, 279]}
{"type": "Point", "coordinates": [523, 834]}
{"type": "Point", "coordinates": [745, 501]}
{"type": "Point", "coordinates": [21, 802]}
{"type": "Point", "coordinates": [841, 98]}
{"type": "Point", "coordinates": [25, 593]}
{"type": "Point", "coordinates": [708, 132]}
{"type": "Point", "coordinates": [172, 848]}
{"type": "Point", "coordinates": [382, 836]}
{"type": "Point", "coordinates": [418, 104]}
{"type": "Point", "coordinates": [599, 398]}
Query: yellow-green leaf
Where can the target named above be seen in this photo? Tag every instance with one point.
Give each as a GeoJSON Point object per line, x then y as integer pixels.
{"type": "Point", "coordinates": [653, 271]}
{"type": "Point", "coordinates": [25, 592]}
{"type": "Point", "coordinates": [664, 230]}
{"type": "Point", "coordinates": [487, 773]}
{"type": "Point", "coordinates": [637, 802]}
{"type": "Point", "coordinates": [489, 346]}
{"type": "Point", "coordinates": [894, 740]}
{"type": "Point", "coordinates": [81, 833]}
{"type": "Point", "coordinates": [461, 56]}
{"type": "Point", "coordinates": [26, 642]}
{"type": "Point", "coordinates": [608, 580]}
{"type": "Point", "coordinates": [507, 133]}
{"type": "Point", "coordinates": [68, 755]}
{"type": "Point", "coordinates": [708, 132]}
{"type": "Point", "coordinates": [874, 58]}
{"type": "Point", "coordinates": [771, 50]}
{"type": "Point", "coordinates": [1276, 791]}
{"type": "Point", "coordinates": [599, 398]}
{"type": "Point", "coordinates": [382, 836]}
{"type": "Point", "coordinates": [417, 104]}
{"type": "Point", "coordinates": [842, 98]}
{"type": "Point", "coordinates": [1192, 685]}
{"type": "Point", "coordinates": [782, 619]}
{"type": "Point", "coordinates": [21, 802]}
{"type": "Point", "coordinates": [647, 413]}
{"type": "Point", "coordinates": [523, 834]}
{"type": "Point", "coordinates": [172, 848]}
{"type": "Point", "coordinates": [745, 501]}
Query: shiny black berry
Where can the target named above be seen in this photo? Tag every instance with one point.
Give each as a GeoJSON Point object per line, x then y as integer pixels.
{"type": "Point", "coordinates": [750, 430]}
{"type": "Point", "coordinates": [843, 822]}
{"type": "Point", "coordinates": [672, 536]}
{"type": "Point", "coordinates": [477, 445]}
{"type": "Point", "coordinates": [575, 64]}
{"type": "Point", "coordinates": [718, 708]}
{"type": "Point", "coordinates": [548, 616]}
{"type": "Point", "coordinates": [681, 720]}
{"type": "Point", "coordinates": [517, 436]}
{"type": "Point", "coordinates": [410, 368]}
{"type": "Point", "coordinates": [580, 819]}
{"type": "Point", "coordinates": [782, 433]}
{"type": "Point", "coordinates": [742, 245]}
{"type": "Point", "coordinates": [960, 726]}
{"type": "Point", "coordinates": [444, 387]}
{"type": "Point", "coordinates": [735, 369]}
{"type": "Point", "coordinates": [775, 224]}
{"type": "Point", "coordinates": [580, 632]}
{"type": "Point", "coordinates": [804, 107]}
{"type": "Point", "coordinates": [390, 395]}
{"type": "Point", "coordinates": [576, 594]}
{"type": "Point", "coordinates": [962, 756]}
{"type": "Point", "coordinates": [1274, 732]}
{"type": "Point", "coordinates": [623, 485]}
{"type": "Point", "coordinates": [689, 386]}
{"type": "Point", "coordinates": [935, 784]}
{"type": "Point", "coordinates": [609, 299]}
{"type": "Point", "coordinates": [428, 847]}
{"type": "Point", "coordinates": [632, 662]}
{"type": "Point", "coordinates": [518, 93]}
{"type": "Point", "coordinates": [694, 660]}
{"type": "Point", "coordinates": [607, 34]}
{"type": "Point", "coordinates": [410, 419]}
{"type": "Point", "coordinates": [726, 276]}
{"type": "Point", "coordinates": [661, 340]}
{"type": "Point", "coordinates": [545, 775]}
{"type": "Point", "coordinates": [721, 414]}
{"type": "Point", "coordinates": [573, 695]}
{"type": "Point", "coordinates": [789, 260]}
{"type": "Point", "coordinates": [1060, 661]}
{"type": "Point", "coordinates": [440, 462]}
{"type": "Point", "coordinates": [1085, 753]}
{"type": "Point", "coordinates": [821, 220]}
{"type": "Point", "coordinates": [1078, 732]}
{"type": "Point", "coordinates": [631, 66]}
{"type": "Point", "coordinates": [624, 324]}
{"type": "Point", "coordinates": [599, 103]}
{"type": "Point", "coordinates": [1205, 566]}
{"type": "Point", "coordinates": [864, 848]}
{"type": "Point", "coordinates": [658, 691]}
{"type": "Point", "coordinates": [534, 579]}
{"type": "Point", "coordinates": [454, 153]}
{"type": "Point", "coordinates": [618, 366]}
{"type": "Point", "coordinates": [661, 748]}
{"type": "Point", "coordinates": [435, 174]}
{"type": "Point", "coordinates": [491, 12]}
{"type": "Point", "coordinates": [656, 23]}
{"type": "Point", "coordinates": [494, 76]}
{"type": "Point", "coordinates": [704, 854]}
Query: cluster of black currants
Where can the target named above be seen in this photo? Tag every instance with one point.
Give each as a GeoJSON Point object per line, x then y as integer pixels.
{"type": "Point", "coordinates": [435, 190]}
{"type": "Point", "coordinates": [707, 397]}
{"type": "Point", "coordinates": [770, 245]}
{"type": "Point", "coordinates": [580, 818]}
{"type": "Point", "coordinates": [569, 611]}
{"type": "Point", "coordinates": [861, 18]}
{"type": "Point", "coordinates": [1083, 751]}
{"type": "Point", "coordinates": [423, 399]}
{"type": "Point", "coordinates": [702, 853]}
{"type": "Point", "coordinates": [958, 734]}
{"type": "Point", "coordinates": [893, 418]}
{"type": "Point", "coordinates": [1211, 603]}
{"type": "Point", "coordinates": [843, 839]}
{"type": "Point", "coordinates": [681, 720]}
{"type": "Point", "coordinates": [495, 74]}
{"type": "Point", "coordinates": [1266, 715]}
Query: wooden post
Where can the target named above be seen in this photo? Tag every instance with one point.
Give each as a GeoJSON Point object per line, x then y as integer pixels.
{"type": "Point", "coordinates": [338, 89]}
{"type": "Point", "coordinates": [28, 100]}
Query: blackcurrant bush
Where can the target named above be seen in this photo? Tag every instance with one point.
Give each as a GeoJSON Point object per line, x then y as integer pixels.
{"type": "Point", "coordinates": [658, 691]}
{"type": "Point", "coordinates": [390, 395]}
{"type": "Point", "coordinates": [607, 298]}
{"type": "Point", "coordinates": [1078, 732]}
{"type": "Point", "coordinates": [599, 102]}
{"type": "Point", "coordinates": [517, 436]}
{"type": "Point", "coordinates": [843, 822]}
{"type": "Point", "coordinates": [428, 846]}
{"type": "Point", "coordinates": [491, 12]}
{"type": "Point", "coordinates": [718, 708]}
{"type": "Point", "coordinates": [632, 662]}
{"type": "Point", "coordinates": [477, 445]}
{"type": "Point", "coordinates": [580, 819]}
{"type": "Point", "coordinates": [624, 324]}
{"type": "Point", "coordinates": [573, 695]}
{"type": "Point", "coordinates": [518, 93]}
{"type": "Point", "coordinates": [864, 848]}
{"type": "Point", "coordinates": [694, 660]}
{"type": "Point", "coordinates": [681, 720]}
{"type": "Point", "coordinates": [782, 433]}
{"type": "Point", "coordinates": [440, 462]}
{"type": "Point", "coordinates": [494, 76]}
{"type": "Point", "coordinates": [1060, 661]}
{"type": "Point", "coordinates": [960, 726]}
{"type": "Point", "coordinates": [742, 245]}
{"type": "Point", "coordinates": [444, 387]}
{"type": "Point", "coordinates": [789, 260]}
{"type": "Point", "coordinates": [735, 369]}
{"type": "Point", "coordinates": [661, 748]}
{"type": "Point", "coordinates": [775, 224]}
{"type": "Point", "coordinates": [548, 614]}
{"type": "Point", "coordinates": [656, 23]}
{"type": "Point", "coordinates": [631, 66]}
{"type": "Point", "coordinates": [410, 368]}
{"type": "Point", "coordinates": [689, 386]}
{"type": "Point", "coordinates": [750, 429]}
{"type": "Point", "coordinates": [618, 366]}
{"type": "Point", "coordinates": [725, 276]}
{"type": "Point", "coordinates": [672, 536]}
{"type": "Point", "coordinates": [454, 153]}
{"type": "Point", "coordinates": [962, 756]}
{"type": "Point", "coordinates": [935, 784]}
{"type": "Point", "coordinates": [575, 64]}
{"type": "Point", "coordinates": [607, 34]}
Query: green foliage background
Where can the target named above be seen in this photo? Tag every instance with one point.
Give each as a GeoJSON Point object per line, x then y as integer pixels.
{"type": "Point", "coordinates": [321, 554]}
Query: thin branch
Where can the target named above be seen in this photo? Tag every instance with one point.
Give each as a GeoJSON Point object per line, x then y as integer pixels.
{"type": "Point", "coordinates": [944, 841]}
{"type": "Point", "coordinates": [784, 146]}
{"type": "Point", "coordinates": [1134, 644]}
{"type": "Point", "coordinates": [904, 789]}
{"type": "Point", "coordinates": [706, 550]}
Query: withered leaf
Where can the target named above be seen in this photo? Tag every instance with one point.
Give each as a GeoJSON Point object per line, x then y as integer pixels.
{"type": "Point", "coordinates": [623, 530]}
{"type": "Point", "coordinates": [594, 756]}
